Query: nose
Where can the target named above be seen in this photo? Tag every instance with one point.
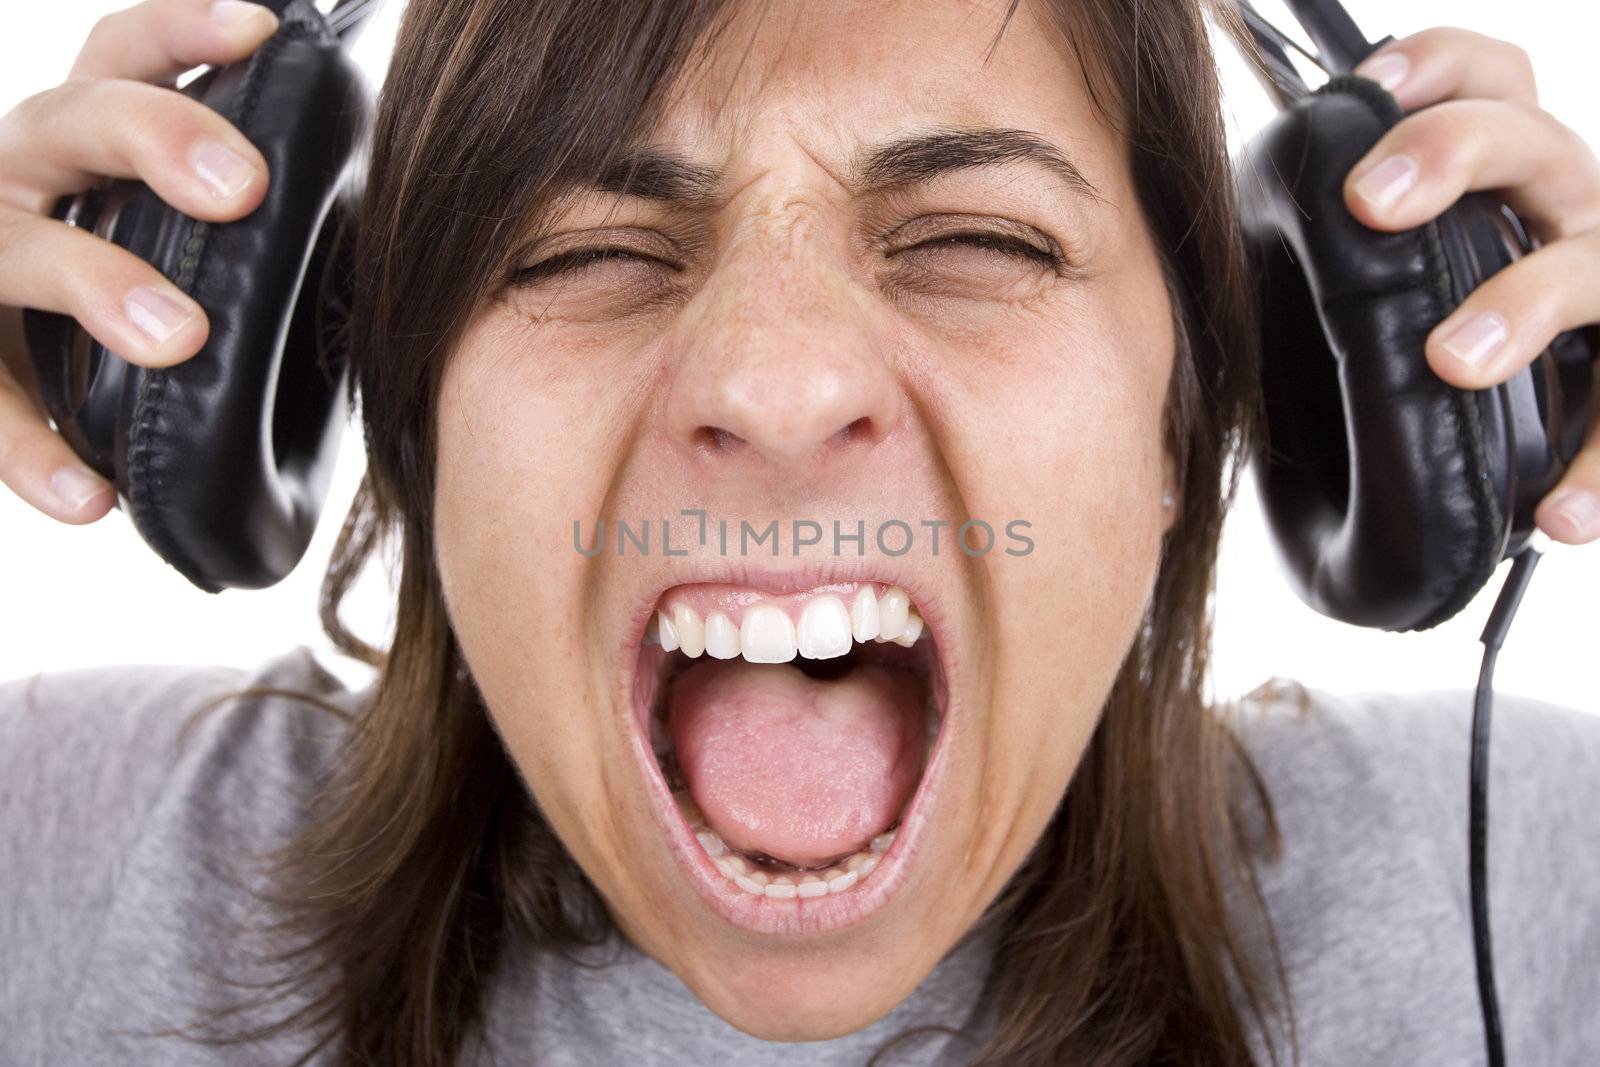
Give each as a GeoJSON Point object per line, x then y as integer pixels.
{"type": "Point", "coordinates": [783, 370]}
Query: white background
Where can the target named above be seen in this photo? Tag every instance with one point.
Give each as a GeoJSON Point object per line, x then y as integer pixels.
{"type": "Point", "coordinates": [82, 596]}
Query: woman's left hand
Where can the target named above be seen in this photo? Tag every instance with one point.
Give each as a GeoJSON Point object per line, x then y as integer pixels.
{"type": "Point", "coordinates": [1474, 122]}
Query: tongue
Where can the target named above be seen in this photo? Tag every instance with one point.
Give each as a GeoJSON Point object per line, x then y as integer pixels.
{"type": "Point", "coordinates": [802, 770]}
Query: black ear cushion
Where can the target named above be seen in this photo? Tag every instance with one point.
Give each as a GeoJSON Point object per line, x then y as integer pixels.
{"type": "Point", "coordinates": [1373, 471]}
{"type": "Point", "coordinates": [229, 453]}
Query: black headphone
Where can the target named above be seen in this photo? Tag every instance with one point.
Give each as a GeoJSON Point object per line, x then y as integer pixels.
{"type": "Point", "coordinates": [223, 461]}
{"type": "Point", "coordinates": [1391, 494]}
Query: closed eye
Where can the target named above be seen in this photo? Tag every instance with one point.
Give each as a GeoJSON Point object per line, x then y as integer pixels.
{"type": "Point", "coordinates": [580, 258]}
{"type": "Point", "coordinates": [1005, 244]}
{"type": "Point", "coordinates": [574, 260]}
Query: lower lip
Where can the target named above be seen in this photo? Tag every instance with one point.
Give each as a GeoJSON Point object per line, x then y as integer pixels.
{"type": "Point", "coordinates": [800, 916]}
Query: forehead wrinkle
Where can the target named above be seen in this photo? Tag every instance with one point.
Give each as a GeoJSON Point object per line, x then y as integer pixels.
{"type": "Point", "coordinates": [663, 174]}
{"type": "Point", "coordinates": [718, 110]}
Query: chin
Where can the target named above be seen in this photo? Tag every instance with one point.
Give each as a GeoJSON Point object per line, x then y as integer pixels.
{"type": "Point", "coordinates": [811, 999]}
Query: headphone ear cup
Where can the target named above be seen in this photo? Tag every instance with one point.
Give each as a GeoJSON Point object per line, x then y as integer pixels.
{"type": "Point", "coordinates": [1376, 476]}
{"type": "Point", "coordinates": [223, 461]}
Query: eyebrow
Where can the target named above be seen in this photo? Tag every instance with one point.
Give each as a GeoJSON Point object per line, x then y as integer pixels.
{"type": "Point", "coordinates": [675, 181]}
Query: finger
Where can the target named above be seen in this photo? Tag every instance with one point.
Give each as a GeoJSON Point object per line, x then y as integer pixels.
{"type": "Point", "coordinates": [1505, 323]}
{"type": "Point", "coordinates": [1450, 63]}
{"type": "Point", "coordinates": [37, 465]}
{"type": "Point", "coordinates": [1570, 513]}
{"type": "Point", "coordinates": [1423, 165]}
{"type": "Point", "coordinates": [64, 139]}
{"type": "Point", "coordinates": [159, 39]}
{"type": "Point", "coordinates": [122, 301]}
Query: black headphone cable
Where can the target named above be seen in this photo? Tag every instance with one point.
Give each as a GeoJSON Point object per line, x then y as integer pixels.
{"type": "Point", "coordinates": [1494, 634]}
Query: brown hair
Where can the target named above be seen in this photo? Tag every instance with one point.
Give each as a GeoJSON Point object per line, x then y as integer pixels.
{"type": "Point", "coordinates": [427, 854]}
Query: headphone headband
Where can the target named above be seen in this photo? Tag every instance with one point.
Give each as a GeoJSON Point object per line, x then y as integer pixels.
{"type": "Point", "coordinates": [346, 19]}
{"type": "Point", "coordinates": [1339, 42]}
{"type": "Point", "coordinates": [349, 17]}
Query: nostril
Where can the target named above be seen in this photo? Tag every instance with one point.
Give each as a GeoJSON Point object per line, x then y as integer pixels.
{"type": "Point", "coordinates": [783, 443]}
{"type": "Point", "coordinates": [717, 439]}
{"type": "Point", "coordinates": [857, 431]}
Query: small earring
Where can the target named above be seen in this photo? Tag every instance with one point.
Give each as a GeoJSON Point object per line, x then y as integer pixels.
{"type": "Point", "coordinates": [1167, 499]}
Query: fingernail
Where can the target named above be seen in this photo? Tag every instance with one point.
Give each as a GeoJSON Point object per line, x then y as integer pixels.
{"type": "Point", "coordinates": [76, 486]}
{"type": "Point", "coordinates": [157, 314]}
{"type": "Point", "coordinates": [220, 167]}
{"type": "Point", "coordinates": [1471, 342]}
{"type": "Point", "coordinates": [1386, 183]}
{"type": "Point", "coordinates": [1579, 510]}
{"type": "Point", "coordinates": [233, 15]}
{"type": "Point", "coordinates": [1388, 69]}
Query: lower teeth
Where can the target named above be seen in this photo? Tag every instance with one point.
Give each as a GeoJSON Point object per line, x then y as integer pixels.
{"type": "Point", "coordinates": [747, 875]}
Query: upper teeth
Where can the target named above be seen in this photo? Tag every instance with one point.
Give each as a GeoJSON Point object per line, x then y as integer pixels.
{"type": "Point", "coordinates": [767, 634]}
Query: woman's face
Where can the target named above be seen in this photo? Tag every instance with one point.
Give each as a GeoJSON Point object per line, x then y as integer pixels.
{"type": "Point", "coordinates": [797, 340]}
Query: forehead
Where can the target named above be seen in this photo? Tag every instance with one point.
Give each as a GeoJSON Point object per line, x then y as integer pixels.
{"type": "Point", "coordinates": [844, 79]}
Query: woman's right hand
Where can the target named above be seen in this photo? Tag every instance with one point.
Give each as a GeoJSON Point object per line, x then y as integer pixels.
{"type": "Point", "coordinates": [116, 114]}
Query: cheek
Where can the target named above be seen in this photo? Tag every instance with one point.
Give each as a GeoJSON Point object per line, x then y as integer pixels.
{"type": "Point", "coordinates": [509, 486]}
{"type": "Point", "coordinates": [526, 447]}
{"type": "Point", "coordinates": [1060, 423]}
{"type": "Point", "coordinates": [1074, 446]}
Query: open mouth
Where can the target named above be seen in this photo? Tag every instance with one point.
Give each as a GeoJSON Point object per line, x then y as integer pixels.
{"type": "Point", "coordinates": [791, 744]}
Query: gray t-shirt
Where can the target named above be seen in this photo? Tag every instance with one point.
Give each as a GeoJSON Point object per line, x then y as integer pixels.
{"type": "Point", "coordinates": [118, 898]}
